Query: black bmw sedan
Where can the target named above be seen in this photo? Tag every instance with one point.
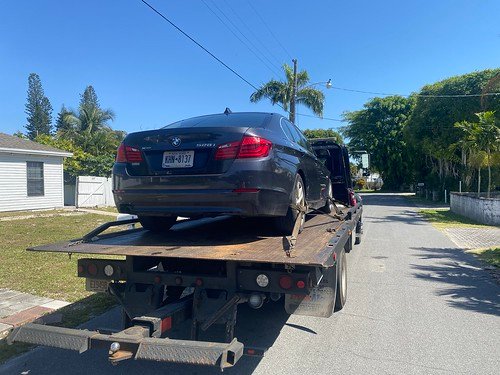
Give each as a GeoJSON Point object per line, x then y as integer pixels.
{"type": "Point", "coordinates": [244, 164]}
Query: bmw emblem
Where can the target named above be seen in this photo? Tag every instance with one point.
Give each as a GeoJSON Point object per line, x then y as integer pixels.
{"type": "Point", "coordinates": [176, 141]}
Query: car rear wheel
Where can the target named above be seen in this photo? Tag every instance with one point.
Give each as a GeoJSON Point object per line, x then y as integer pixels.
{"type": "Point", "coordinates": [157, 223]}
{"type": "Point", "coordinates": [286, 223]}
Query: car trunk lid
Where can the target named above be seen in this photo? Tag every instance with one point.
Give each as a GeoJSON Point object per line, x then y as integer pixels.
{"type": "Point", "coordinates": [182, 151]}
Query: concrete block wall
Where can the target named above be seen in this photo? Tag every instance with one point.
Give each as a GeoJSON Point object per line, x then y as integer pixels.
{"type": "Point", "coordinates": [481, 209]}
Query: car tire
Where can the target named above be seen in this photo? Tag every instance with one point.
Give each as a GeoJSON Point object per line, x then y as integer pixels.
{"type": "Point", "coordinates": [329, 208]}
{"type": "Point", "coordinates": [285, 224]}
{"type": "Point", "coordinates": [157, 224]}
{"type": "Point", "coordinates": [341, 293]}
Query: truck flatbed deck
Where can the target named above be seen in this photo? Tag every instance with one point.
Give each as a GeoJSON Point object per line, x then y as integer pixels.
{"type": "Point", "coordinates": [222, 238]}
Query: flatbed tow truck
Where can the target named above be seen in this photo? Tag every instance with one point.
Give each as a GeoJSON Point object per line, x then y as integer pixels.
{"type": "Point", "coordinates": [200, 271]}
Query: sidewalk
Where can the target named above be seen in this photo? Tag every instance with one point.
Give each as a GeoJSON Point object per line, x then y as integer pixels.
{"type": "Point", "coordinates": [18, 308]}
{"type": "Point", "coordinates": [474, 238]}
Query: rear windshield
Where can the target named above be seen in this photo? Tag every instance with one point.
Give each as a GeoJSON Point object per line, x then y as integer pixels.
{"type": "Point", "coordinates": [253, 120]}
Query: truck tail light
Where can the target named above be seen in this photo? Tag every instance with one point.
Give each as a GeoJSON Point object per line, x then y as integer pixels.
{"type": "Point", "coordinates": [92, 269]}
{"type": "Point", "coordinates": [128, 154]}
{"type": "Point", "coordinates": [249, 147]}
{"type": "Point", "coordinates": [352, 198]}
{"type": "Point", "coordinates": [286, 282]}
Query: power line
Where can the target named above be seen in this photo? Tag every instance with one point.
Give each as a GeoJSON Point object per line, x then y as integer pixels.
{"type": "Point", "coordinates": [228, 4]}
{"type": "Point", "coordinates": [270, 68]}
{"type": "Point", "coordinates": [199, 45]}
{"type": "Point", "coordinates": [244, 36]}
{"type": "Point", "coordinates": [418, 95]}
{"type": "Point", "coordinates": [269, 29]}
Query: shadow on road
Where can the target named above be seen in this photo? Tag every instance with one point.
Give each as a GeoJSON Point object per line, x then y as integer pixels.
{"type": "Point", "coordinates": [466, 285]}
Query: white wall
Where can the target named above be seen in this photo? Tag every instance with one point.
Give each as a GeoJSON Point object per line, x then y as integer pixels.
{"type": "Point", "coordinates": [483, 210]}
{"type": "Point", "coordinates": [13, 182]}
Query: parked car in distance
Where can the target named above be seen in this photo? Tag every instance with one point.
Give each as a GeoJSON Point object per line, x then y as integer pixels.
{"type": "Point", "coordinates": [244, 164]}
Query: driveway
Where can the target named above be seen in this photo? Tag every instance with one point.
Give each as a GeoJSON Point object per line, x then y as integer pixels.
{"type": "Point", "coordinates": [416, 305]}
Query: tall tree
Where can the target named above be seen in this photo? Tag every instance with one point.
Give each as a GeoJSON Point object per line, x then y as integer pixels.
{"type": "Point", "coordinates": [90, 125]}
{"type": "Point", "coordinates": [378, 129]}
{"type": "Point", "coordinates": [431, 132]}
{"type": "Point", "coordinates": [38, 109]}
{"type": "Point", "coordinates": [63, 123]}
{"type": "Point", "coordinates": [282, 92]}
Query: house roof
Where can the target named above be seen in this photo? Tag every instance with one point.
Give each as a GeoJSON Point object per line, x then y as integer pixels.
{"type": "Point", "coordinates": [12, 144]}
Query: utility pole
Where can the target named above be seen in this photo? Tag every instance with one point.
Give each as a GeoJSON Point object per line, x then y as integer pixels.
{"type": "Point", "coordinates": [294, 92]}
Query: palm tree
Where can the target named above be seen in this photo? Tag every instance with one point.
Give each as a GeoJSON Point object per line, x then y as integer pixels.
{"type": "Point", "coordinates": [282, 92]}
{"type": "Point", "coordinates": [89, 125]}
{"type": "Point", "coordinates": [488, 138]}
{"type": "Point", "coordinates": [479, 140]}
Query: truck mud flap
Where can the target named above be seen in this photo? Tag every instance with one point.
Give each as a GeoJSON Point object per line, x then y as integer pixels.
{"type": "Point", "coordinates": [319, 302]}
{"type": "Point", "coordinates": [134, 346]}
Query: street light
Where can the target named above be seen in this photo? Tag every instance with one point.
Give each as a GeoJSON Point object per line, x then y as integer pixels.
{"type": "Point", "coordinates": [328, 85]}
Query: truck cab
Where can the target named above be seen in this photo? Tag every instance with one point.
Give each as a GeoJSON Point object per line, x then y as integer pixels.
{"type": "Point", "coordinates": [336, 160]}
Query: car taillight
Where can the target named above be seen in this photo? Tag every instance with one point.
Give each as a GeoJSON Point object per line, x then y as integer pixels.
{"type": "Point", "coordinates": [227, 151]}
{"type": "Point", "coordinates": [249, 147]}
{"type": "Point", "coordinates": [352, 198]}
{"type": "Point", "coordinates": [254, 147]}
{"type": "Point", "coordinates": [128, 154]}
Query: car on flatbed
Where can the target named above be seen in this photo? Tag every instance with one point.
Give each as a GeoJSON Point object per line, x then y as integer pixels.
{"type": "Point", "coordinates": [201, 270]}
{"type": "Point", "coordinates": [249, 164]}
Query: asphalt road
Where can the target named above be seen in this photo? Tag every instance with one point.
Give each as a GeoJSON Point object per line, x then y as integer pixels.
{"type": "Point", "coordinates": [416, 305]}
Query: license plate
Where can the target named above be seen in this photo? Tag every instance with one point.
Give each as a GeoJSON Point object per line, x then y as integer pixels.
{"type": "Point", "coordinates": [92, 285]}
{"type": "Point", "coordinates": [178, 159]}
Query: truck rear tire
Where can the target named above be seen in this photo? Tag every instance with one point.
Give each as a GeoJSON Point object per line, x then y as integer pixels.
{"type": "Point", "coordinates": [157, 224]}
{"type": "Point", "coordinates": [341, 293]}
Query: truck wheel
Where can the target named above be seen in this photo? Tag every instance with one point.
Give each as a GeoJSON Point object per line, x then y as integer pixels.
{"type": "Point", "coordinates": [285, 224]}
{"type": "Point", "coordinates": [157, 223]}
{"type": "Point", "coordinates": [328, 208]}
{"type": "Point", "coordinates": [341, 294]}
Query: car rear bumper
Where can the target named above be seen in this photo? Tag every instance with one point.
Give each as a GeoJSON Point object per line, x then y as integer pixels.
{"type": "Point", "coordinates": [204, 202]}
{"type": "Point", "coordinates": [203, 195]}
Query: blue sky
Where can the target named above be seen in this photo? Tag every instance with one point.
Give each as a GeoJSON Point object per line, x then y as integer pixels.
{"type": "Point", "coordinates": [151, 75]}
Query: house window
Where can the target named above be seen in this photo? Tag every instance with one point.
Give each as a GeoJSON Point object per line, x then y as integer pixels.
{"type": "Point", "coordinates": [34, 171]}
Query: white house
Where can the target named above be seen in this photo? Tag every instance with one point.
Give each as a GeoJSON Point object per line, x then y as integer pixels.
{"type": "Point", "coordinates": [31, 175]}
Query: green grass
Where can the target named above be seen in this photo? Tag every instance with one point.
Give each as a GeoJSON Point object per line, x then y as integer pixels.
{"type": "Point", "coordinates": [49, 275]}
{"type": "Point", "coordinates": [444, 218]}
{"type": "Point", "coordinates": [490, 256]}
{"type": "Point", "coordinates": [31, 213]}
{"type": "Point", "coordinates": [107, 209]}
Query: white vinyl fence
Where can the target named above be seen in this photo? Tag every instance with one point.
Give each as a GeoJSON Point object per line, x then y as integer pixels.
{"type": "Point", "coordinates": [93, 191]}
